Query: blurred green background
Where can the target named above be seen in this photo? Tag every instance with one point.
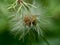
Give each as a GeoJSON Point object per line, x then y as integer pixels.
{"type": "Point", "coordinates": [50, 22]}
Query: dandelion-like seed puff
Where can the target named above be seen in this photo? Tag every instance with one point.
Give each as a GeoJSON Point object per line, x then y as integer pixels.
{"type": "Point", "coordinates": [26, 24]}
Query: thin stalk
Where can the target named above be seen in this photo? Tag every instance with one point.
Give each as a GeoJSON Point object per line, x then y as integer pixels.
{"type": "Point", "coordinates": [19, 8]}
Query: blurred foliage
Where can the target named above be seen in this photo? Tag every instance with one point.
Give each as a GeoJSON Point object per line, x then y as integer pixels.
{"type": "Point", "coordinates": [50, 22]}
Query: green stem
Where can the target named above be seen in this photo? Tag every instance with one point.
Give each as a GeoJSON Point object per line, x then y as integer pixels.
{"type": "Point", "coordinates": [45, 39]}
